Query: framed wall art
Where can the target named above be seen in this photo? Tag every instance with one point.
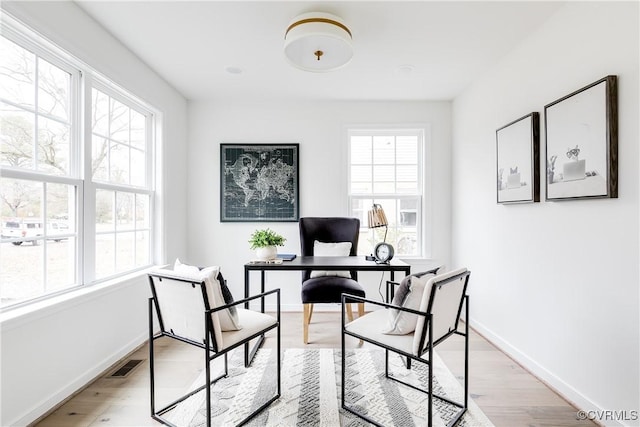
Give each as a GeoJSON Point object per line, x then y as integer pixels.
{"type": "Point", "coordinates": [518, 160]}
{"type": "Point", "coordinates": [259, 182]}
{"type": "Point", "coordinates": [582, 143]}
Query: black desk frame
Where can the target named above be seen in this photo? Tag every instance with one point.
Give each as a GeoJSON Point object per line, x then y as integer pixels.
{"type": "Point", "coordinates": [308, 263]}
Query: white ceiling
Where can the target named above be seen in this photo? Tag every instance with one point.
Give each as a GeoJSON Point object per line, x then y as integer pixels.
{"type": "Point", "coordinates": [448, 43]}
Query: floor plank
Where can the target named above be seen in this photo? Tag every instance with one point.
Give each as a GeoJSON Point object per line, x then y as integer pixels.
{"type": "Point", "coordinates": [508, 394]}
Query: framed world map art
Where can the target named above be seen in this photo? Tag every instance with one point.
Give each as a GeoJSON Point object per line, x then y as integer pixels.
{"type": "Point", "coordinates": [259, 182]}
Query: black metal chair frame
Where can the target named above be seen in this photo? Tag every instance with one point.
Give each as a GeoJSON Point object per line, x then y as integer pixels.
{"type": "Point", "coordinates": [425, 338]}
{"type": "Point", "coordinates": [210, 348]}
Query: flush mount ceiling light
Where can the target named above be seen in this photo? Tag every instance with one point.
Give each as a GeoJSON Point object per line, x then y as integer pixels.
{"type": "Point", "coordinates": [318, 42]}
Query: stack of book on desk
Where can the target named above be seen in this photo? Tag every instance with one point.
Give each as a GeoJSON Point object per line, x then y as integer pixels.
{"type": "Point", "coordinates": [278, 260]}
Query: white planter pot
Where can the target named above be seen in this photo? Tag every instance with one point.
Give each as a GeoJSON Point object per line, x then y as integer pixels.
{"type": "Point", "coordinates": [267, 253]}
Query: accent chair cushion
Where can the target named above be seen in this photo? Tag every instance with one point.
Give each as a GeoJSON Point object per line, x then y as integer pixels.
{"type": "Point", "coordinates": [217, 292]}
{"type": "Point", "coordinates": [329, 289]}
{"type": "Point", "coordinates": [331, 249]}
{"type": "Point", "coordinates": [252, 322]}
{"type": "Point", "coordinates": [408, 295]}
{"type": "Point", "coordinates": [369, 327]}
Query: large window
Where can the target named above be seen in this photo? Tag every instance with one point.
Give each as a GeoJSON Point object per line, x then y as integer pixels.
{"type": "Point", "coordinates": [386, 168]}
{"type": "Point", "coordinates": [119, 164]}
{"type": "Point", "coordinates": [67, 191]}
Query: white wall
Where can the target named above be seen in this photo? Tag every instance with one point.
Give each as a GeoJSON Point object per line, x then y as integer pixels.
{"type": "Point", "coordinates": [555, 284]}
{"type": "Point", "coordinates": [48, 354]}
{"type": "Point", "coordinates": [319, 129]}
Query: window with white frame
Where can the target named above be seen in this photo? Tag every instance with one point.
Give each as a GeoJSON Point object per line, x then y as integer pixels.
{"type": "Point", "coordinates": [119, 167]}
{"type": "Point", "coordinates": [64, 193]}
{"type": "Point", "coordinates": [386, 168]}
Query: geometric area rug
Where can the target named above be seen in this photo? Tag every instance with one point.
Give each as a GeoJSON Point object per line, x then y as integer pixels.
{"type": "Point", "coordinates": [311, 392]}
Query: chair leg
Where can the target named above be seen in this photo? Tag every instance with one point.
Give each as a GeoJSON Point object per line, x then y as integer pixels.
{"type": "Point", "coordinates": [349, 313]}
{"type": "Point", "coordinates": [360, 314]}
{"type": "Point", "coordinates": [466, 353]}
{"type": "Point", "coordinates": [310, 312]}
{"type": "Point", "coordinates": [305, 322]}
{"type": "Point", "coordinates": [430, 380]}
{"type": "Point", "coordinates": [151, 361]}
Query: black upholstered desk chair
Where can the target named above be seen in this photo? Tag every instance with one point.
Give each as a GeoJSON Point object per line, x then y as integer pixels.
{"type": "Point", "coordinates": [333, 236]}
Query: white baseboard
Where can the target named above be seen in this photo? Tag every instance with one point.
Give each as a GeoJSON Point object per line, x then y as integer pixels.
{"type": "Point", "coordinates": [566, 391]}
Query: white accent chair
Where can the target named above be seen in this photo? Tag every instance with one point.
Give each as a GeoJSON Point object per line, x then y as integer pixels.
{"type": "Point", "coordinates": [184, 313]}
{"type": "Point", "coordinates": [442, 300]}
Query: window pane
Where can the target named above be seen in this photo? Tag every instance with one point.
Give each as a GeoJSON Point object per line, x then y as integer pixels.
{"type": "Point", "coordinates": [61, 266]}
{"type": "Point", "coordinates": [100, 158]}
{"type": "Point", "coordinates": [53, 147]}
{"type": "Point", "coordinates": [407, 245]}
{"type": "Point", "coordinates": [53, 90]}
{"type": "Point", "coordinates": [406, 150]}
{"type": "Point", "coordinates": [125, 251]}
{"type": "Point", "coordinates": [361, 150]}
{"type": "Point", "coordinates": [142, 249]}
{"type": "Point", "coordinates": [362, 187]}
{"type": "Point", "coordinates": [17, 81]}
{"type": "Point", "coordinates": [142, 212]}
{"type": "Point", "coordinates": [138, 130]}
{"type": "Point", "coordinates": [100, 113]}
{"type": "Point", "coordinates": [361, 173]}
{"type": "Point", "coordinates": [25, 274]}
{"type": "Point", "coordinates": [384, 187]}
{"type": "Point", "coordinates": [407, 173]}
{"type": "Point", "coordinates": [105, 255]}
{"type": "Point", "coordinates": [406, 188]}
{"type": "Point", "coordinates": [21, 272]}
{"type": "Point", "coordinates": [21, 252]}
{"type": "Point", "coordinates": [384, 173]}
{"type": "Point", "coordinates": [104, 211]}
{"type": "Point", "coordinates": [138, 168]}
{"type": "Point", "coordinates": [61, 202]}
{"type": "Point", "coordinates": [383, 150]}
{"type": "Point", "coordinates": [124, 211]}
{"type": "Point", "coordinates": [119, 163]}
{"type": "Point", "coordinates": [16, 137]}
{"type": "Point", "coordinates": [408, 213]}
{"type": "Point", "coordinates": [120, 154]}
{"type": "Point", "coordinates": [119, 121]}
{"type": "Point", "coordinates": [358, 209]}
{"type": "Point", "coordinates": [21, 199]}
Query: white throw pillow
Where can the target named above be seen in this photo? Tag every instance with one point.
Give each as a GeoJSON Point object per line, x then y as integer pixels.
{"type": "Point", "coordinates": [185, 270]}
{"type": "Point", "coordinates": [408, 295]}
{"type": "Point", "coordinates": [331, 249]}
{"type": "Point", "coordinates": [217, 293]}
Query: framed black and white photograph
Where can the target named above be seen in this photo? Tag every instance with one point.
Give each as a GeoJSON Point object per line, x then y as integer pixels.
{"type": "Point", "coordinates": [582, 143]}
{"type": "Point", "coordinates": [518, 160]}
{"type": "Point", "coordinates": [259, 182]}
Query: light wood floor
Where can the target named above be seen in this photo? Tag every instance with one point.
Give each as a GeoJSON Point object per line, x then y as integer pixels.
{"type": "Point", "coordinates": [507, 393]}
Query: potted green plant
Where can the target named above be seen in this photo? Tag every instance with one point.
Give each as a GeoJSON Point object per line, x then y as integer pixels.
{"type": "Point", "coordinates": [265, 243]}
